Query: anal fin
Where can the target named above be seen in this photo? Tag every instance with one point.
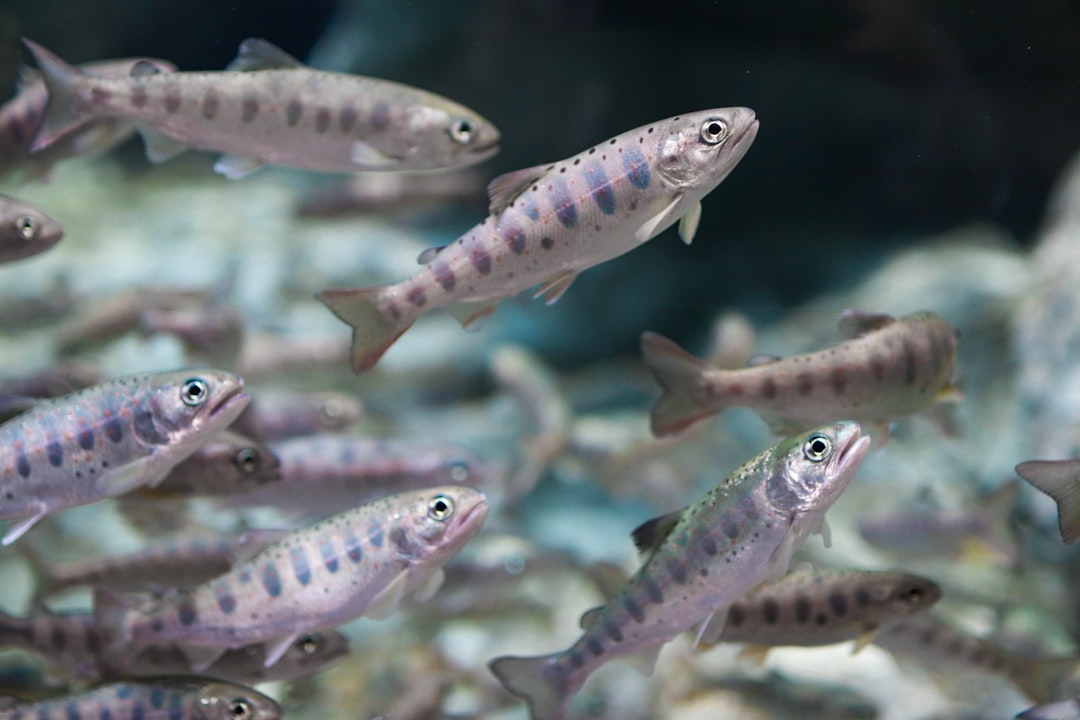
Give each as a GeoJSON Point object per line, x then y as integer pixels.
{"type": "Point", "coordinates": [159, 147]}
{"type": "Point", "coordinates": [555, 288]}
{"type": "Point", "coordinates": [276, 649]}
{"type": "Point", "coordinates": [470, 314]}
{"type": "Point", "coordinates": [235, 167]}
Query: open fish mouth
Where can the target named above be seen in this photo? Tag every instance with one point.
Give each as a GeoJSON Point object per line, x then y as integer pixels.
{"type": "Point", "coordinates": [480, 509]}
{"type": "Point", "coordinates": [852, 448]}
{"type": "Point", "coordinates": [230, 399]}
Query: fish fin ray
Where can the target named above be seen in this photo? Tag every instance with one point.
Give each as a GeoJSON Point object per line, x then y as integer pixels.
{"type": "Point", "coordinates": [471, 314]}
{"type": "Point", "coordinates": [680, 376]}
{"type": "Point", "coordinates": [651, 227]}
{"type": "Point", "coordinates": [589, 617]}
{"type": "Point", "coordinates": [235, 167]}
{"type": "Point", "coordinates": [127, 477]}
{"type": "Point", "coordinates": [17, 528]}
{"type": "Point", "coordinates": [372, 333]}
{"type": "Point", "coordinates": [546, 693]}
{"type": "Point", "coordinates": [61, 111]}
{"type": "Point", "coordinates": [856, 323]}
{"type": "Point", "coordinates": [1060, 479]}
{"type": "Point", "coordinates": [159, 147]}
{"type": "Point", "coordinates": [711, 628]}
{"type": "Point", "coordinates": [650, 534]}
{"type": "Point", "coordinates": [688, 225]}
{"type": "Point", "coordinates": [258, 54]}
{"type": "Point", "coordinates": [556, 287]}
{"type": "Point", "coordinates": [503, 189]}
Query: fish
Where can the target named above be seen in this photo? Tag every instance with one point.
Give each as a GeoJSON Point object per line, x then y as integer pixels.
{"type": "Point", "coordinates": [550, 222]}
{"type": "Point", "coordinates": [229, 464]}
{"type": "Point", "coordinates": [20, 120]}
{"type": "Point", "coordinates": [810, 608]}
{"type": "Point", "coordinates": [927, 641]}
{"type": "Point", "coordinates": [985, 529]}
{"type": "Point", "coordinates": [1060, 479]}
{"type": "Point", "coordinates": [322, 473]}
{"type": "Point", "coordinates": [268, 108]}
{"type": "Point", "coordinates": [358, 563]}
{"type": "Point", "coordinates": [25, 230]}
{"type": "Point", "coordinates": [281, 414]}
{"type": "Point", "coordinates": [108, 439]}
{"type": "Point", "coordinates": [888, 368]}
{"type": "Point", "coordinates": [700, 560]}
{"type": "Point", "coordinates": [393, 193]}
{"type": "Point", "coordinates": [164, 698]}
{"type": "Point", "coordinates": [176, 562]}
{"type": "Point", "coordinates": [1067, 709]}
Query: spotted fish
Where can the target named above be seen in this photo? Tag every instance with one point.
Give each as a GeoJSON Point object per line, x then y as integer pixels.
{"type": "Point", "coordinates": [269, 108]}
{"type": "Point", "coordinates": [549, 223]}
{"type": "Point", "coordinates": [165, 698]}
{"type": "Point", "coordinates": [825, 607]}
{"type": "Point", "coordinates": [25, 230]}
{"type": "Point", "coordinates": [20, 120]}
{"type": "Point", "coordinates": [700, 560]}
{"type": "Point", "coordinates": [360, 562]}
{"type": "Point", "coordinates": [887, 369]}
{"type": "Point", "coordinates": [108, 439]}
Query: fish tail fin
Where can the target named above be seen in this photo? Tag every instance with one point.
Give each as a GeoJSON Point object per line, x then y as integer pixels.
{"type": "Point", "coordinates": [1060, 479]}
{"type": "Point", "coordinates": [45, 583]}
{"type": "Point", "coordinates": [61, 111]}
{"type": "Point", "coordinates": [532, 680]}
{"type": "Point", "coordinates": [373, 332]}
{"type": "Point", "coordinates": [1043, 680]}
{"type": "Point", "coordinates": [679, 374]}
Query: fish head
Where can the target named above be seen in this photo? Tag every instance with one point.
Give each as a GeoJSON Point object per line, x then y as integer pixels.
{"type": "Point", "coordinates": [447, 135]}
{"type": "Point", "coordinates": [442, 519]}
{"type": "Point", "coordinates": [812, 469]}
{"type": "Point", "coordinates": [697, 151]}
{"type": "Point", "coordinates": [904, 593]}
{"type": "Point", "coordinates": [220, 700]}
{"type": "Point", "coordinates": [190, 403]}
{"type": "Point", "coordinates": [315, 651]}
{"type": "Point", "coordinates": [28, 231]}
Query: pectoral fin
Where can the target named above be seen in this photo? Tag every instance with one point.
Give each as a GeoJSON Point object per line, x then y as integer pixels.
{"type": "Point", "coordinates": [662, 219]}
{"type": "Point", "coordinates": [389, 598]}
{"type": "Point", "coordinates": [276, 649]}
{"type": "Point", "coordinates": [127, 477]}
{"type": "Point", "coordinates": [430, 585]}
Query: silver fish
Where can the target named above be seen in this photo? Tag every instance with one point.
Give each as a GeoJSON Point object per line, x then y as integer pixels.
{"type": "Point", "coordinates": [700, 560]}
{"type": "Point", "coordinates": [1060, 479]}
{"type": "Point", "coordinates": [25, 230]}
{"type": "Point", "coordinates": [108, 439]}
{"type": "Point", "coordinates": [20, 120]}
{"type": "Point", "coordinates": [549, 223]}
{"type": "Point", "coordinates": [809, 608]}
{"type": "Point", "coordinates": [270, 108]}
{"type": "Point", "coordinates": [165, 698]}
{"type": "Point", "coordinates": [361, 562]}
{"type": "Point", "coordinates": [1068, 709]}
{"type": "Point", "coordinates": [887, 369]}
{"type": "Point", "coordinates": [281, 414]}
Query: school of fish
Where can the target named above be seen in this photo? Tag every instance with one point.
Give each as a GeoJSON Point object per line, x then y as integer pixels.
{"type": "Point", "coordinates": [373, 510]}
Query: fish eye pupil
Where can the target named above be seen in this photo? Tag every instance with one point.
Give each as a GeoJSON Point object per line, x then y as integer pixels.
{"type": "Point", "coordinates": [194, 392]}
{"type": "Point", "coordinates": [440, 507]}
{"type": "Point", "coordinates": [817, 448]}
{"type": "Point", "coordinates": [461, 131]}
{"type": "Point", "coordinates": [246, 460]}
{"type": "Point", "coordinates": [309, 645]}
{"type": "Point", "coordinates": [914, 594]}
{"type": "Point", "coordinates": [26, 227]}
{"type": "Point", "coordinates": [714, 129]}
{"type": "Point", "coordinates": [240, 709]}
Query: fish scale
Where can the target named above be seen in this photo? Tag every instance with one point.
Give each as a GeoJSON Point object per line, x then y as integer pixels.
{"type": "Point", "coordinates": [550, 222]}
{"type": "Point", "coordinates": [700, 561]}
{"type": "Point", "coordinates": [355, 563]}
{"type": "Point", "coordinates": [108, 439]}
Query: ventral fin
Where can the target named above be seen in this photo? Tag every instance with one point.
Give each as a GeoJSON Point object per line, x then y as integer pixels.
{"type": "Point", "coordinates": [18, 528]}
{"type": "Point", "coordinates": [689, 224]}
{"type": "Point", "coordinates": [428, 255]}
{"type": "Point", "coordinates": [649, 534]}
{"type": "Point", "coordinates": [503, 189]}
{"type": "Point", "coordinates": [856, 323]}
{"type": "Point", "coordinates": [555, 288]}
{"type": "Point", "coordinates": [367, 157]}
{"type": "Point", "coordinates": [865, 639]}
{"type": "Point", "coordinates": [711, 628]}
{"type": "Point", "coordinates": [430, 585]}
{"type": "Point", "coordinates": [651, 227]}
{"type": "Point", "coordinates": [276, 649]}
{"type": "Point", "coordinates": [389, 598]}
{"type": "Point", "coordinates": [202, 658]}
{"type": "Point", "coordinates": [258, 54]}
{"type": "Point", "coordinates": [159, 148]}
{"type": "Point", "coordinates": [472, 314]}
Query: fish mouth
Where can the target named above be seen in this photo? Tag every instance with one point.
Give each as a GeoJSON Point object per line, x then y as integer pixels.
{"type": "Point", "coordinates": [230, 400]}
{"type": "Point", "coordinates": [746, 131]}
{"type": "Point", "coordinates": [480, 153]}
{"type": "Point", "coordinates": [474, 515]}
{"type": "Point", "coordinates": [853, 447]}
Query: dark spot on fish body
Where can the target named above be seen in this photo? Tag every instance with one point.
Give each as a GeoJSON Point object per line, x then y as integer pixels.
{"type": "Point", "coordinates": [602, 191]}
{"type": "Point", "coordinates": [124, 691]}
{"type": "Point", "coordinates": [910, 361]}
{"type": "Point", "coordinates": [802, 608]}
{"type": "Point", "coordinates": [176, 706]}
{"type": "Point", "coordinates": [58, 638]}
{"type": "Point", "coordinates": [563, 203]}
{"type": "Point", "coordinates": [375, 533]}
{"type": "Point", "coordinates": [99, 96]}
{"type": "Point", "coordinates": [444, 275]}
{"type": "Point", "coordinates": [293, 112]}
{"type": "Point", "coordinates": [300, 566]}
{"type": "Point", "coordinates": [652, 591]}
{"type": "Point", "coordinates": [22, 464]}
{"type": "Point", "coordinates": [249, 108]}
{"type": "Point", "coordinates": [86, 439]}
{"type": "Point", "coordinates": [417, 296]}
{"type": "Point", "coordinates": [271, 580]}
{"type": "Point", "coordinates": [157, 624]}
{"type": "Point", "coordinates": [139, 96]}
{"type": "Point", "coordinates": [771, 610]}
{"type": "Point", "coordinates": [839, 603]}
{"type": "Point", "coordinates": [514, 238]}
{"type": "Point", "coordinates": [877, 368]}
{"type": "Point", "coordinates": [577, 660]}
{"type": "Point", "coordinates": [138, 712]}
{"type": "Point", "coordinates": [210, 104]}
{"type": "Point", "coordinates": [157, 697]}
{"type": "Point", "coordinates": [106, 714]}
{"type": "Point", "coordinates": [347, 118]}
{"type": "Point", "coordinates": [708, 544]}
{"type": "Point", "coordinates": [612, 630]}
{"type": "Point", "coordinates": [380, 116]}
{"type": "Point", "coordinates": [352, 547]}
{"type": "Point", "coordinates": [145, 427]}
{"type": "Point", "coordinates": [677, 570]}
{"type": "Point", "coordinates": [862, 596]}
{"type": "Point", "coordinates": [480, 259]}
{"type": "Point", "coordinates": [822, 619]}
{"type": "Point", "coordinates": [71, 710]}
{"type": "Point", "coordinates": [805, 383]}
{"type": "Point", "coordinates": [736, 615]}
{"type": "Point", "coordinates": [633, 609]}
{"type": "Point", "coordinates": [322, 120]}
{"type": "Point", "coordinates": [768, 388]}
{"type": "Point", "coordinates": [329, 554]}
{"type": "Point", "coordinates": [395, 312]}
{"type": "Point", "coordinates": [595, 646]}
{"type": "Point", "coordinates": [637, 168]}
{"type": "Point", "coordinates": [172, 99]}
{"type": "Point", "coordinates": [225, 600]}
{"type": "Point", "coordinates": [186, 613]}
{"type": "Point", "coordinates": [113, 429]}
{"type": "Point", "coordinates": [838, 380]}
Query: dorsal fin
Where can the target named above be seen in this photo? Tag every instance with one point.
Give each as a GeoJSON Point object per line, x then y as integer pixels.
{"type": "Point", "coordinates": [428, 255]}
{"type": "Point", "coordinates": [759, 359]}
{"type": "Point", "coordinates": [856, 323]}
{"type": "Point", "coordinates": [589, 617]}
{"type": "Point", "coordinates": [503, 189]}
{"type": "Point", "coordinates": [649, 534]}
{"type": "Point", "coordinates": [145, 68]}
{"type": "Point", "coordinates": [258, 54]}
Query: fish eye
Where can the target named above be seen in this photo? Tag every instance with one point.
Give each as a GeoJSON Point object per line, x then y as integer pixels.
{"type": "Point", "coordinates": [247, 460]}
{"type": "Point", "coordinates": [194, 392]}
{"type": "Point", "coordinates": [461, 131]}
{"type": "Point", "coordinates": [817, 447]}
{"type": "Point", "coordinates": [26, 227]}
{"type": "Point", "coordinates": [912, 594]}
{"type": "Point", "coordinates": [332, 410]}
{"type": "Point", "coordinates": [714, 131]}
{"type": "Point", "coordinates": [240, 709]}
{"type": "Point", "coordinates": [459, 471]}
{"type": "Point", "coordinates": [440, 508]}
{"type": "Point", "coordinates": [309, 645]}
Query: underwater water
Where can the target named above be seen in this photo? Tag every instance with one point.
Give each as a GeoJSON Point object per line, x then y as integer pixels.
{"type": "Point", "coordinates": [885, 158]}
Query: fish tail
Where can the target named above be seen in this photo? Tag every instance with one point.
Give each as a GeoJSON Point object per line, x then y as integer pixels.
{"type": "Point", "coordinates": [45, 583]}
{"type": "Point", "coordinates": [532, 679]}
{"type": "Point", "coordinates": [1060, 479]}
{"type": "Point", "coordinates": [62, 111]}
{"type": "Point", "coordinates": [1043, 680]}
{"type": "Point", "coordinates": [679, 374]}
{"type": "Point", "coordinates": [373, 333]}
